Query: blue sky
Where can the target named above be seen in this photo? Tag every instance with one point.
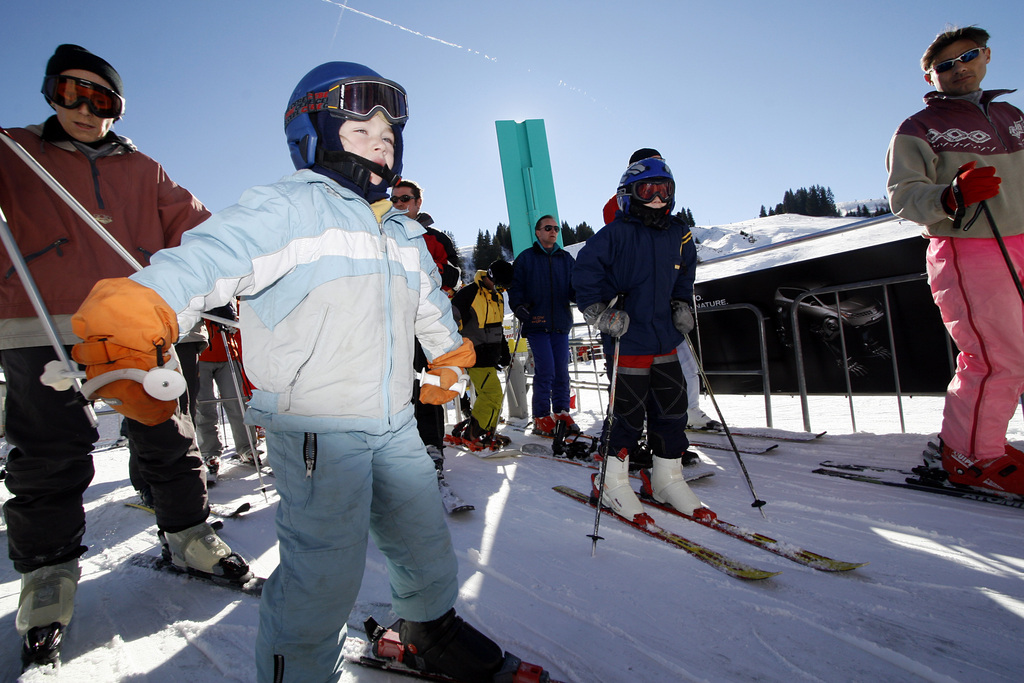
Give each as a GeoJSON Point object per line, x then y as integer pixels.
{"type": "Point", "coordinates": [744, 99]}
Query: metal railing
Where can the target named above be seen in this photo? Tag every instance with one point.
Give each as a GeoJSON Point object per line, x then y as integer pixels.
{"type": "Point", "coordinates": [794, 312]}
{"type": "Point", "coordinates": [762, 348]}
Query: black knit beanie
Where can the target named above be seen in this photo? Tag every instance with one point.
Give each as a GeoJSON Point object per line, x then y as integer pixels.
{"type": "Point", "coordinates": [75, 57]}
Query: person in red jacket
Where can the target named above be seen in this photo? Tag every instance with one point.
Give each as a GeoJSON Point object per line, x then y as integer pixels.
{"type": "Point", "coordinates": [408, 196]}
{"type": "Point", "coordinates": [51, 465]}
{"type": "Point", "coordinates": [215, 368]}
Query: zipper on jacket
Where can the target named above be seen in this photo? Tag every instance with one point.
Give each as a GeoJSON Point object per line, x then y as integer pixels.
{"type": "Point", "coordinates": [96, 182]}
{"type": "Point", "coordinates": [309, 453]}
{"type": "Point", "coordinates": [55, 245]}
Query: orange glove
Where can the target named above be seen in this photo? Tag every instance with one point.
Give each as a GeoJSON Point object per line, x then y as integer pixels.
{"type": "Point", "coordinates": [462, 357]}
{"type": "Point", "coordinates": [124, 324]}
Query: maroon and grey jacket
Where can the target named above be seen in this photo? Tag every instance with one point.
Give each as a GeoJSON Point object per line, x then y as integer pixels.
{"type": "Point", "coordinates": [127, 191]}
{"type": "Point", "coordinates": [931, 145]}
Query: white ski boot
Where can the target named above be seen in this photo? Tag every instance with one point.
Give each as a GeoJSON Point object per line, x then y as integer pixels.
{"type": "Point", "coordinates": [669, 486]}
{"type": "Point", "coordinates": [200, 549]}
{"type": "Point", "coordinates": [618, 494]}
{"type": "Point", "coordinates": [697, 419]}
{"type": "Point", "coordinates": [44, 610]}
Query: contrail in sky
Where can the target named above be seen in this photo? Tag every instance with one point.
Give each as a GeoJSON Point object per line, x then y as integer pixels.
{"type": "Point", "coordinates": [344, 6]}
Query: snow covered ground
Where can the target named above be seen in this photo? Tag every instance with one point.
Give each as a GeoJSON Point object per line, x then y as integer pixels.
{"type": "Point", "coordinates": [941, 600]}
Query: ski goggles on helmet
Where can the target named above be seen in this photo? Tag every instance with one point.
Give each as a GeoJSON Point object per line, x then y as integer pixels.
{"type": "Point", "coordinates": [649, 190]}
{"type": "Point", "coordinates": [969, 56]}
{"type": "Point", "coordinates": [359, 98]}
{"type": "Point", "coordinates": [70, 92]}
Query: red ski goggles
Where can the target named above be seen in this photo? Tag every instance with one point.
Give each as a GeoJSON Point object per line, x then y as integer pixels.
{"type": "Point", "coordinates": [357, 99]}
{"type": "Point", "coordinates": [659, 188]}
{"type": "Point", "coordinates": [71, 93]}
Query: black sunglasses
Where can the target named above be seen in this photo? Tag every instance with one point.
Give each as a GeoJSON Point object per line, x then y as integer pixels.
{"type": "Point", "coordinates": [402, 198]}
{"type": "Point", "coordinates": [969, 56]}
{"type": "Point", "coordinates": [548, 228]}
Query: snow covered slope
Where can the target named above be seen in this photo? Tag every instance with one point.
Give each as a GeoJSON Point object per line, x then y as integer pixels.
{"type": "Point", "coordinates": [941, 600]}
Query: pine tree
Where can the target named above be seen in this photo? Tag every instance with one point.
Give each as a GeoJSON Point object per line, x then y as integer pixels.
{"type": "Point", "coordinates": [568, 234]}
{"type": "Point", "coordinates": [583, 231]}
{"type": "Point", "coordinates": [763, 214]}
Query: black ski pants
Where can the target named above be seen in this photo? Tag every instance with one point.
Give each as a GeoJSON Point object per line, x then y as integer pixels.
{"type": "Point", "coordinates": [429, 418]}
{"type": "Point", "coordinates": [651, 388]}
{"type": "Point", "coordinates": [51, 466]}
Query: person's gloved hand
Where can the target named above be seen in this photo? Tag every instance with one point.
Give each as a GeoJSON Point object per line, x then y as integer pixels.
{"type": "Point", "coordinates": [682, 316]}
{"type": "Point", "coordinates": [125, 325]}
{"type": "Point", "coordinates": [227, 311]}
{"type": "Point", "coordinates": [970, 186]}
{"type": "Point", "coordinates": [505, 359]}
{"type": "Point", "coordinates": [461, 358]}
{"type": "Point", "coordinates": [611, 321]}
{"type": "Point", "coordinates": [523, 313]}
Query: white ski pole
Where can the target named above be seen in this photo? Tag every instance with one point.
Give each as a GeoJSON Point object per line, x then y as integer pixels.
{"type": "Point", "coordinates": [71, 379]}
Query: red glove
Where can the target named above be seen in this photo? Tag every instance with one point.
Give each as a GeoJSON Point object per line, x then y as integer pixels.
{"type": "Point", "coordinates": [971, 185]}
{"type": "Point", "coordinates": [125, 325]}
{"type": "Point", "coordinates": [462, 357]}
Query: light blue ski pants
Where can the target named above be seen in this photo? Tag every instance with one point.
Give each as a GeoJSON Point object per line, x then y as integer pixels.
{"type": "Point", "coordinates": [358, 484]}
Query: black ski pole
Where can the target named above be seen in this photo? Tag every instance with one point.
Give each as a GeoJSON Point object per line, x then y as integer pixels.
{"type": "Point", "coordinates": [758, 503]}
{"type": "Point", "coordinates": [1002, 248]}
{"type": "Point", "coordinates": [609, 422]}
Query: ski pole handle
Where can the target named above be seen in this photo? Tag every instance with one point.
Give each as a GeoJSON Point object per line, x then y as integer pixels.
{"type": "Point", "coordinates": [459, 387]}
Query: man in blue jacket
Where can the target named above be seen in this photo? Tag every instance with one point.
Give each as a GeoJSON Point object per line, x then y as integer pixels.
{"type": "Point", "coordinates": [634, 281]}
{"type": "Point", "coordinates": [540, 295]}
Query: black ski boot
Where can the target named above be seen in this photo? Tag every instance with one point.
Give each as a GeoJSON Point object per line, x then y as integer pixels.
{"type": "Point", "coordinates": [453, 647]}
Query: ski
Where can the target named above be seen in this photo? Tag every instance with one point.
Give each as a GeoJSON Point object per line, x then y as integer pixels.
{"type": "Point", "coordinates": [254, 586]}
{"type": "Point", "coordinates": [790, 552]}
{"type": "Point", "coordinates": [384, 650]}
{"type": "Point", "coordinates": [536, 450]}
{"type": "Point", "coordinates": [919, 484]}
{"type": "Point", "coordinates": [863, 468]}
{"type": "Point", "coordinates": [764, 433]}
{"type": "Point", "coordinates": [218, 512]}
{"type": "Point", "coordinates": [749, 450]}
{"type": "Point", "coordinates": [482, 452]}
{"type": "Point", "coordinates": [451, 501]}
{"type": "Point", "coordinates": [702, 553]}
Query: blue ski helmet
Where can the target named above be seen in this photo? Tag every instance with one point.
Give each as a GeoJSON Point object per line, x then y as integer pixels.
{"type": "Point", "coordinates": [641, 172]}
{"type": "Point", "coordinates": [331, 94]}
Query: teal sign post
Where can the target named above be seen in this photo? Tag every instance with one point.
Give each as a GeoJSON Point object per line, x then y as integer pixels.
{"type": "Point", "coordinates": [529, 185]}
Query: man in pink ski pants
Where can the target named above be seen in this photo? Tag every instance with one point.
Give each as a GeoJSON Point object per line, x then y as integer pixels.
{"type": "Point", "coordinates": [957, 168]}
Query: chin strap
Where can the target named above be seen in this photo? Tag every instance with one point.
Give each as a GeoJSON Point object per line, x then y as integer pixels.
{"type": "Point", "coordinates": [356, 168]}
{"type": "Point", "coordinates": [653, 218]}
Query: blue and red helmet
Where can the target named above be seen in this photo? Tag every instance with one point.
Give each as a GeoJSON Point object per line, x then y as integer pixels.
{"type": "Point", "coordinates": [331, 94]}
{"type": "Point", "coordinates": [644, 181]}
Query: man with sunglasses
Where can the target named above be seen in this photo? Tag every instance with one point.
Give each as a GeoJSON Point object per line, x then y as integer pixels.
{"type": "Point", "coordinates": [957, 168]}
{"type": "Point", "coordinates": [634, 282]}
{"type": "Point", "coordinates": [408, 196]}
{"type": "Point", "coordinates": [540, 295]}
{"type": "Point", "coordinates": [51, 464]}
